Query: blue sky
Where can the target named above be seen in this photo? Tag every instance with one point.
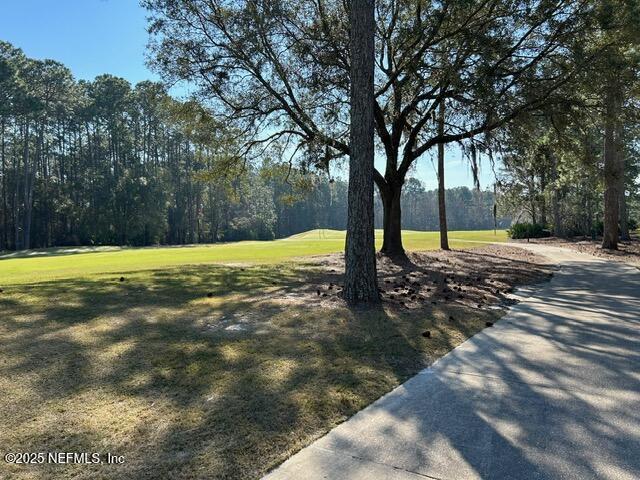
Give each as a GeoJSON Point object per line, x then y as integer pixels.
{"type": "Point", "coordinates": [92, 37]}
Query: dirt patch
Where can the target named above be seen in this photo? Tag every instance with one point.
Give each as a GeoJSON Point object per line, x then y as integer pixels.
{"type": "Point", "coordinates": [478, 278]}
{"type": "Point", "coordinates": [628, 252]}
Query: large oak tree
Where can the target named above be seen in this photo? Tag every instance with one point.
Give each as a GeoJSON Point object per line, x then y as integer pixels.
{"type": "Point", "coordinates": [280, 71]}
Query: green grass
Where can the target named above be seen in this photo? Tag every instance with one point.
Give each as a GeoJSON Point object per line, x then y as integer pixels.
{"type": "Point", "coordinates": [149, 368]}
{"type": "Point", "coordinates": [146, 368]}
{"type": "Point", "coordinates": [193, 369]}
{"type": "Point", "coordinates": [66, 263]}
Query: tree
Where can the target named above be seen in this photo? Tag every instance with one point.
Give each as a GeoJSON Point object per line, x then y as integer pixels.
{"type": "Point", "coordinates": [442, 208]}
{"type": "Point", "coordinates": [103, 163]}
{"type": "Point", "coordinates": [551, 166]}
{"type": "Point", "coordinates": [360, 279]}
{"type": "Point", "coordinates": [613, 169]}
{"type": "Point", "coordinates": [280, 71]}
{"type": "Point", "coordinates": [579, 158]}
{"type": "Point", "coordinates": [9, 58]}
{"type": "Point", "coordinates": [618, 35]}
{"type": "Point", "coordinates": [109, 163]}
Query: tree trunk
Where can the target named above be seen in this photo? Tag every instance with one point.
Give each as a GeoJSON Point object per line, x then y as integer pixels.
{"type": "Point", "coordinates": [29, 185]}
{"type": "Point", "coordinates": [442, 206]}
{"type": "Point", "coordinates": [534, 217]}
{"type": "Point", "coordinates": [20, 222]}
{"type": "Point", "coordinates": [4, 238]}
{"type": "Point", "coordinates": [558, 230]}
{"type": "Point", "coordinates": [15, 211]}
{"type": "Point", "coordinates": [543, 200]}
{"type": "Point", "coordinates": [624, 215]}
{"type": "Point", "coordinates": [622, 207]}
{"type": "Point", "coordinates": [611, 170]}
{"type": "Point", "coordinates": [533, 200]}
{"type": "Point", "coordinates": [361, 284]}
{"type": "Point", "coordinates": [391, 195]}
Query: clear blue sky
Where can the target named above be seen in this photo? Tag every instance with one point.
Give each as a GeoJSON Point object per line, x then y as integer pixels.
{"type": "Point", "coordinates": [92, 37]}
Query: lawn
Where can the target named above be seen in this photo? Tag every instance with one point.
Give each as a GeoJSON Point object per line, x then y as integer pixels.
{"type": "Point", "coordinates": [219, 371]}
{"type": "Point", "coordinates": [55, 264]}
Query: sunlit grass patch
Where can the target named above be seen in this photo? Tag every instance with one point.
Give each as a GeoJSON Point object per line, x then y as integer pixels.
{"type": "Point", "coordinates": [209, 371]}
{"type": "Point", "coordinates": [83, 262]}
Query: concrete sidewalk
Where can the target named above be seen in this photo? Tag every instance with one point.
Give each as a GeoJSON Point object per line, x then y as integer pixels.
{"type": "Point", "coordinates": [552, 391]}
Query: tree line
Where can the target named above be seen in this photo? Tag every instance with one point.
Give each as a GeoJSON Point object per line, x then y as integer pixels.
{"type": "Point", "coordinates": [467, 209]}
{"type": "Point", "coordinates": [104, 162]}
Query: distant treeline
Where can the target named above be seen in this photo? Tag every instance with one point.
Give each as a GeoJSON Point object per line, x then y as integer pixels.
{"type": "Point", "coordinates": [102, 162]}
{"type": "Point", "coordinates": [467, 209]}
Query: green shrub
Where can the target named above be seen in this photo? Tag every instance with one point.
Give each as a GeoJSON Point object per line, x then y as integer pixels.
{"type": "Point", "coordinates": [527, 230]}
{"type": "Point", "coordinates": [598, 228]}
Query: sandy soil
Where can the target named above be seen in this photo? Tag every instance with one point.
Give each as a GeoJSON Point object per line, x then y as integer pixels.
{"type": "Point", "coordinates": [628, 252]}
{"type": "Point", "coordinates": [479, 278]}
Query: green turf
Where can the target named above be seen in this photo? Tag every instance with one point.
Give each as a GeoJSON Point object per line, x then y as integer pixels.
{"type": "Point", "coordinates": [60, 263]}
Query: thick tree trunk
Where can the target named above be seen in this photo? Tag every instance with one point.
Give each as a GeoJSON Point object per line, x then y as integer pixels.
{"type": "Point", "coordinates": [392, 220]}
{"type": "Point", "coordinates": [360, 279]}
{"type": "Point", "coordinates": [612, 171]}
{"type": "Point", "coordinates": [442, 205]}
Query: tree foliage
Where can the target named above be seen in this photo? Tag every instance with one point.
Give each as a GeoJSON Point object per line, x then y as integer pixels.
{"type": "Point", "coordinates": [103, 162]}
{"type": "Point", "coordinates": [286, 65]}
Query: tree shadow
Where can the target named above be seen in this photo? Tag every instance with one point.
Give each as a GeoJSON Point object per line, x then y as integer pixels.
{"type": "Point", "coordinates": [148, 368]}
{"type": "Point", "coordinates": [550, 392]}
{"type": "Point", "coordinates": [190, 386]}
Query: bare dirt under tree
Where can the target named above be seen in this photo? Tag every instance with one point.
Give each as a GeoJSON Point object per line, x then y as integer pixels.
{"type": "Point", "coordinates": [628, 251]}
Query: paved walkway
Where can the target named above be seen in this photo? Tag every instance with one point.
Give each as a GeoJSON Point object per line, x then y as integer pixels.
{"type": "Point", "coordinates": [552, 391]}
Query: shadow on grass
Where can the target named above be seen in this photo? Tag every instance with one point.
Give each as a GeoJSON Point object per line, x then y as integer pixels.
{"type": "Point", "coordinates": [187, 386]}
{"type": "Point", "coordinates": [505, 406]}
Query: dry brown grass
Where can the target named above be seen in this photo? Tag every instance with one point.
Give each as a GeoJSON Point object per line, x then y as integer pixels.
{"type": "Point", "coordinates": [187, 386]}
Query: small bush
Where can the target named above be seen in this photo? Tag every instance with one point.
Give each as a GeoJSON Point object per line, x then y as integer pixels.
{"type": "Point", "coordinates": [598, 228]}
{"type": "Point", "coordinates": [527, 230]}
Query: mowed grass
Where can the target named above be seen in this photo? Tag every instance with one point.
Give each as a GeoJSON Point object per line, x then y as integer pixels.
{"type": "Point", "coordinates": [193, 369]}
{"type": "Point", "coordinates": [210, 371]}
{"type": "Point", "coordinates": [61, 263]}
